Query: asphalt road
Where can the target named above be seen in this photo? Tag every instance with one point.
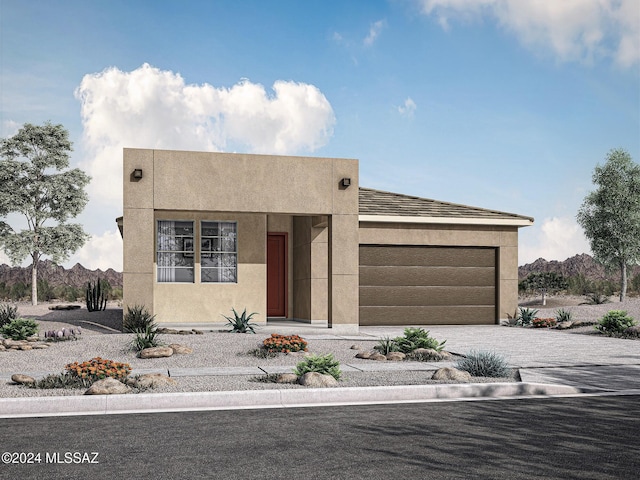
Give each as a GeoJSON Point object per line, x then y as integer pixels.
{"type": "Point", "coordinates": [571, 438]}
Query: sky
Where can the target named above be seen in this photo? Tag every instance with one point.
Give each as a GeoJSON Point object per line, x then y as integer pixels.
{"type": "Point", "coordinates": [500, 104]}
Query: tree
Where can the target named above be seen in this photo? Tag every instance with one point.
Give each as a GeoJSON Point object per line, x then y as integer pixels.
{"type": "Point", "coordinates": [545, 283]}
{"type": "Point", "coordinates": [610, 215]}
{"type": "Point", "coordinates": [35, 182]}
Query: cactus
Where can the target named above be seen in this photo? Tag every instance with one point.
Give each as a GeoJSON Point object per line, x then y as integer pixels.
{"type": "Point", "coordinates": [96, 298]}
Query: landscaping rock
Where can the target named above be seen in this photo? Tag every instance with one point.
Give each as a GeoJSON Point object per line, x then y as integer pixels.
{"type": "Point", "coordinates": [197, 332]}
{"type": "Point", "coordinates": [107, 386]}
{"type": "Point", "coordinates": [287, 378]}
{"type": "Point", "coordinates": [40, 346]}
{"type": "Point", "coordinates": [378, 356]}
{"type": "Point", "coordinates": [150, 380]}
{"type": "Point", "coordinates": [2, 347]}
{"type": "Point", "coordinates": [564, 325]}
{"type": "Point", "coordinates": [395, 356]}
{"type": "Point", "coordinates": [156, 352]}
{"type": "Point", "coordinates": [583, 323]}
{"type": "Point", "coordinates": [22, 379]}
{"type": "Point", "coordinates": [365, 354]}
{"type": "Point", "coordinates": [315, 379]}
{"type": "Point", "coordinates": [633, 331]}
{"type": "Point", "coordinates": [167, 330]}
{"type": "Point", "coordinates": [180, 349]}
{"type": "Point", "coordinates": [25, 347]}
{"type": "Point", "coordinates": [450, 373]}
{"type": "Point", "coordinates": [356, 347]}
{"type": "Point", "coordinates": [8, 343]}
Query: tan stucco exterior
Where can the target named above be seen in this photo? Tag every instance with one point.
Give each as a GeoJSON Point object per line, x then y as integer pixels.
{"type": "Point", "coordinates": [297, 195]}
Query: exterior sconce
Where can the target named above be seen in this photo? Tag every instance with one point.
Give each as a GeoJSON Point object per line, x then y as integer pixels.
{"type": "Point", "coordinates": [137, 173]}
{"type": "Point", "coordinates": [345, 182]}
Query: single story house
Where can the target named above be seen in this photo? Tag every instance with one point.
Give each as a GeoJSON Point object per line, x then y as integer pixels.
{"type": "Point", "coordinates": [297, 238]}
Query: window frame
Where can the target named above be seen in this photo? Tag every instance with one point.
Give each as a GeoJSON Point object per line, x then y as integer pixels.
{"type": "Point", "coordinates": [211, 252]}
{"type": "Point", "coordinates": [187, 254]}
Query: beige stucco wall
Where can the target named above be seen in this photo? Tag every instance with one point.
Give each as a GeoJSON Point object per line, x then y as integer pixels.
{"type": "Point", "coordinates": [262, 193]}
{"type": "Point", "coordinates": [505, 239]}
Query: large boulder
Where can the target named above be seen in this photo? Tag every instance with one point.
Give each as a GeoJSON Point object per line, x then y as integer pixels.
{"type": "Point", "coordinates": [156, 352]}
{"type": "Point", "coordinates": [107, 386]}
{"type": "Point", "coordinates": [287, 378]}
{"type": "Point", "coordinates": [315, 379]}
{"type": "Point", "coordinates": [395, 356]}
{"type": "Point", "coordinates": [451, 374]}
{"type": "Point", "coordinates": [22, 379]}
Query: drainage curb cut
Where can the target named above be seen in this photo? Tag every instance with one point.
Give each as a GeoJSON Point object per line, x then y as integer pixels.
{"type": "Point", "coordinates": [246, 399]}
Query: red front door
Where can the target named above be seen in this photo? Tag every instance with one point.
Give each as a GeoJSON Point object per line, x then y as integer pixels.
{"type": "Point", "coordinates": [276, 274]}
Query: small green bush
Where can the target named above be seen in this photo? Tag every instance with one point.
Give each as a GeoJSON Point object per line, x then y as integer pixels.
{"type": "Point", "coordinates": [615, 322]}
{"type": "Point", "coordinates": [61, 380]}
{"type": "Point", "coordinates": [325, 364]}
{"type": "Point", "coordinates": [241, 323]}
{"type": "Point", "coordinates": [386, 345]}
{"type": "Point", "coordinates": [484, 364]}
{"type": "Point", "coordinates": [137, 319]}
{"type": "Point", "coordinates": [563, 315]}
{"type": "Point", "coordinates": [147, 337]}
{"type": "Point", "coordinates": [7, 313]}
{"type": "Point", "coordinates": [526, 316]}
{"type": "Point", "coordinates": [19, 329]}
{"type": "Point", "coordinates": [415, 338]}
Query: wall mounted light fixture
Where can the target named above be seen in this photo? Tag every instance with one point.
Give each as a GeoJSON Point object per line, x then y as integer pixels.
{"type": "Point", "coordinates": [137, 173]}
{"type": "Point", "coordinates": [345, 182]}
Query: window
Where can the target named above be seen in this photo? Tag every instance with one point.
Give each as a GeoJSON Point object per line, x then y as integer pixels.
{"type": "Point", "coordinates": [175, 251]}
{"type": "Point", "coordinates": [218, 252]}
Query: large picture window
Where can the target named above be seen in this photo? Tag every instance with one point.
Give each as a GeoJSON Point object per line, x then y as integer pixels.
{"type": "Point", "coordinates": [175, 251]}
{"type": "Point", "coordinates": [218, 252]}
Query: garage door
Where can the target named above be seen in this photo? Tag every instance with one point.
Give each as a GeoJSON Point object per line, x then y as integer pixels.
{"type": "Point", "coordinates": [419, 285]}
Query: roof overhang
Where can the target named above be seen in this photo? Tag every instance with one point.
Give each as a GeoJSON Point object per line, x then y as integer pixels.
{"type": "Point", "coordinates": [511, 222]}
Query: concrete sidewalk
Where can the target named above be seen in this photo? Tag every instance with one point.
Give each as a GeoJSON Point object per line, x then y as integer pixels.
{"type": "Point", "coordinates": [550, 363]}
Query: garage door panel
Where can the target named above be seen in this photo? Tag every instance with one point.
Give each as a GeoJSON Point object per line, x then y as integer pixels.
{"type": "Point", "coordinates": [421, 256]}
{"type": "Point", "coordinates": [418, 275]}
{"type": "Point", "coordinates": [426, 296]}
{"type": "Point", "coordinates": [454, 315]}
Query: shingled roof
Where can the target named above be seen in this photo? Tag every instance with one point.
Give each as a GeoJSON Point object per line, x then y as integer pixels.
{"type": "Point", "coordinates": [377, 203]}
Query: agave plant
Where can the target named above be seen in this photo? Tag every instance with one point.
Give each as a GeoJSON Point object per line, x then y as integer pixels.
{"type": "Point", "coordinates": [241, 323]}
{"type": "Point", "coordinates": [563, 315]}
{"type": "Point", "coordinates": [526, 316]}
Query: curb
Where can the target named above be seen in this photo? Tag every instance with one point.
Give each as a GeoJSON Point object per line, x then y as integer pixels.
{"type": "Point", "coordinates": [257, 399]}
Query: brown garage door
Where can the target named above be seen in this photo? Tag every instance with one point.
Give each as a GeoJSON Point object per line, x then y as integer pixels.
{"type": "Point", "coordinates": [420, 285]}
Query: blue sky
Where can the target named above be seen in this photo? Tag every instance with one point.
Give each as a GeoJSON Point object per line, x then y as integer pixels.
{"type": "Point", "coordinates": [502, 104]}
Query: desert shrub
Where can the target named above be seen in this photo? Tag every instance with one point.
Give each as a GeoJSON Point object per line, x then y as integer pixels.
{"type": "Point", "coordinates": [19, 329]}
{"type": "Point", "coordinates": [526, 316]}
{"type": "Point", "coordinates": [284, 343]}
{"type": "Point", "coordinates": [20, 291]}
{"type": "Point", "coordinates": [241, 323]}
{"type": "Point", "coordinates": [7, 313]}
{"type": "Point", "coordinates": [484, 364]}
{"type": "Point", "coordinates": [137, 319]}
{"type": "Point", "coordinates": [61, 380]}
{"type": "Point", "coordinates": [543, 322]}
{"type": "Point", "coordinates": [262, 352]}
{"type": "Point", "coordinates": [325, 364]}
{"type": "Point", "coordinates": [595, 298]}
{"type": "Point", "coordinates": [386, 345]}
{"type": "Point", "coordinates": [563, 315]}
{"type": "Point", "coordinates": [146, 337]}
{"type": "Point", "coordinates": [417, 338]}
{"type": "Point", "coordinates": [615, 322]}
{"type": "Point", "coordinates": [98, 368]}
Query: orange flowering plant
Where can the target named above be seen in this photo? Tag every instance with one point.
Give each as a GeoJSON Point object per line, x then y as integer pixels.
{"type": "Point", "coordinates": [285, 343]}
{"type": "Point", "coordinates": [544, 322]}
{"type": "Point", "coordinates": [98, 368]}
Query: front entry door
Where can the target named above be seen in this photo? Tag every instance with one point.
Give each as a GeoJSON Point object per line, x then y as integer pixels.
{"type": "Point", "coordinates": [276, 274]}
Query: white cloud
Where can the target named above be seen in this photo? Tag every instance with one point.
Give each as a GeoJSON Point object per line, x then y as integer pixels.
{"type": "Point", "coordinates": [408, 108]}
{"type": "Point", "coordinates": [152, 108]}
{"type": "Point", "coordinates": [557, 238]}
{"type": "Point", "coordinates": [374, 31]}
{"type": "Point", "coordinates": [101, 251]}
{"type": "Point", "coordinates": [573, 29]}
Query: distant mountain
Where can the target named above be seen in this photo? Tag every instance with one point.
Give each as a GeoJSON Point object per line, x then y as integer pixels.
{"type": "Point", "coordinates": [579, 264]}
{"type": "Point", "coordinates": [76, 276]}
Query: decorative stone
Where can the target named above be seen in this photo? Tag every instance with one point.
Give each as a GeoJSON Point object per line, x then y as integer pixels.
{"type": "Point", "coordinates": [107, 386]}
{"type": "Point", "coordinates": [22, 379]}
{"type": "Point", "coordinates": [184, 332]}
{"type": "Point", "coordinates": [564, 325]}
{"type": "Point", "coordinates": [150, 380]}
{"type": "Point", "coordinates": [356, 347]}
{"type": "Point", "coordinates": [180, 349]}
{"type": "Point", "coordinates": [14, 343]}
{"type": "Point", "coordinates": [287, 378]}
{"type": "Point", "coordinates": [378, 356]}
{"type": "Point", "coordinates": [33, 339]}
{"type": "Point", "coordinates": [156, 352]}
{"type": "Point", "coordinates": [364, 355]}
{"type": "Point", "coordinates": [2, 347]}
{"type": "Point", "coordinates": [315, 379]}
{"type": "Point", "coordinates": [167, 330]}
{"type": "Point", "coordinates": [633, 331]}
{"type": "Point", "coordinates": [395, 356]}
{"type": "Point", "coordinates": [40, 346]}
{"type": "Point", "coordinates": [197, 332]}
{"type": "Point", "coordinates": [450, 373]}
{"type": "Point", "coordinates": [25, 347]}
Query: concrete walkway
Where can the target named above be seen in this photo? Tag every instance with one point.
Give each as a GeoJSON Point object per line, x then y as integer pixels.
{"type": "Point", "coordinates": [550, 363]}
